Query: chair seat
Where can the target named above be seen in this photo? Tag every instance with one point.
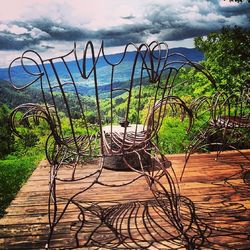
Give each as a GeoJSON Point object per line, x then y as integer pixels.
{"type": "Point", "coordinates": [123, 146]}
{"type": "Point", "coordinates": [120, 140]}
{"type": "Point", "coordinates": [232, 122]}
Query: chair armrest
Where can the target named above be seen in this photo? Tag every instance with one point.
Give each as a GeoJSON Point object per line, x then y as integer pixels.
{"type": "Point", "coordinates": [159, 111]}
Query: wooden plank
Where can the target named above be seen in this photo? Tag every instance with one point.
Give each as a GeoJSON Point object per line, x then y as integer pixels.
{"type": "Point", "coordinates": [216, 188]}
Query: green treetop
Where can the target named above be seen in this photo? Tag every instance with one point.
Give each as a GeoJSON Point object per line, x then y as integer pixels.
{"type": "Point", "coordinates": [227, 55]}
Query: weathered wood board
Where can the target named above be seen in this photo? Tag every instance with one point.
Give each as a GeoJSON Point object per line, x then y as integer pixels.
{"type": "Point", "coordinates": [219, 190]}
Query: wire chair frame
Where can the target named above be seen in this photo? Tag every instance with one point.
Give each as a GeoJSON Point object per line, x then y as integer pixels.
{"type": "Point", "coordinates": [228, 114]}
{"type": "Point", "coordinates": [62, 82]}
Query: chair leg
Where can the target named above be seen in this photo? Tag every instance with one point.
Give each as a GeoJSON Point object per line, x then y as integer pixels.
{"type": "Point", "coordinates": [52, 211]}
{"type": "Point", "coordinates": [187, 156]}
{"type": "Point", "coordinates": [179, 212]}
{"type": "Point", "coordinates": [219, 150]}
{"type": "Point", "coordinates": [223, 144]}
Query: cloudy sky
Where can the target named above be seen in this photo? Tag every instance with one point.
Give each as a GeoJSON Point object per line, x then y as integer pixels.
{"type": "Point", "coordinates": [51, 27]}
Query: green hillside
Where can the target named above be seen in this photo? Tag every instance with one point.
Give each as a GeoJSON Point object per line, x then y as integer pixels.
{"type": "Point", "coordinates": [13, 98]}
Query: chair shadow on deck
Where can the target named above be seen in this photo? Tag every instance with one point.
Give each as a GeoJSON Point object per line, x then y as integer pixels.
{"type": "Point", "coordinates": [132, 225]}
{"type": "Point", "coordinates": [142, 209]}
{"type": "Point", "coordinates": [131, 217]}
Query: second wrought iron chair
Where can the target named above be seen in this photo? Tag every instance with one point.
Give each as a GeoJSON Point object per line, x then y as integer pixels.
{"type": "Point", "coordinates": [227, 124]}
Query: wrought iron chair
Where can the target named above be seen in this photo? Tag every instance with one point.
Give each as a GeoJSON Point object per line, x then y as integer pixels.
{"type": "Point", "coordinates": [93, 131]}
{"type": "Point", "coordinates": [227, 125]}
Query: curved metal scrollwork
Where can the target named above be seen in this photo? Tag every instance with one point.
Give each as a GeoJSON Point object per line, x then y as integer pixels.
{"type": "Point", "coordinates": [64, 82]}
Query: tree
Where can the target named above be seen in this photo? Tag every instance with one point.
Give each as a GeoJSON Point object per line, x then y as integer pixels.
{"type": "Point", "coordinates": [6, 136]}
{"type": "Point", "coordinates": [227, 56]}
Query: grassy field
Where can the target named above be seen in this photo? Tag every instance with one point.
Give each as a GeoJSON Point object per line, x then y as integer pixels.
{"type": "Point", "coordinates": [14, 171]}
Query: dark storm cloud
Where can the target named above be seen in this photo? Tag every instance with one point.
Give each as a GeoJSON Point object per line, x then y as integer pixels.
{"type": "Point", "coordinates": [182, 33]}
{"type": "Point", "coordinates": [128, 17]}
{"type": "Point", "coordinates": [123, 34]}
{"type": "Point", "coordinates": [37, 31]}
{"type": "Point", "coordinates": [62, 32]}
{"type": "Point", "coordinates": [59, 31]}
{"type": "Point", "coordinates": [47, 47]}
{"type": "Point", "coordinates": [18, 36]}
{"type": "Point", "coordinates": [195, 20]}
{"type": "Point", "coordinates": [9, 42]}
{"type": "Point", "coordinates": [110, 41]}
{"type": "Point", "coordinates": [161, 21]}
{"type": "Point", "coordinates": [241, 9]}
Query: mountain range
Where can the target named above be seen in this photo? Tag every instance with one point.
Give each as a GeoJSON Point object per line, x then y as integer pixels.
{"type": "Point", "coordinates": [121, 75]}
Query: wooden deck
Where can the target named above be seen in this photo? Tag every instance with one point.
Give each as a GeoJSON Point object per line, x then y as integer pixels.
{"type": "Point", "coordinates": [219, 190]}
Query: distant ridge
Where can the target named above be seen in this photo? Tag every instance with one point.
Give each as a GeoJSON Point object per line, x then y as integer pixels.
{"type": "Point", "coordinates": [192, 54]}
{"type": "Point", "coordinates": [21, 77]}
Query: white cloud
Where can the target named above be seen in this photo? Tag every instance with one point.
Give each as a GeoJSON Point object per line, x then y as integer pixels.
{"type": "Point", "coordinates": [224, 3]}
{"type": "Point", "coordinates": [243, 21]}
{"type": "Point", "coordinates": [93, 14]}
{"type": "Point", "coordinates": [57, 29]}
{"type": "Point", "coordinates": [38, 34]}
{"type": "Point", "coordinates": [14, 29]}
{"type": "Point", "coordinates": [99, 14]}
{"type": "Point", "coordinates": [7, 56]}
{"type": "Point", "coordinates": [17, 30]}
{"type": "Point", "coordinates": [3, 27]}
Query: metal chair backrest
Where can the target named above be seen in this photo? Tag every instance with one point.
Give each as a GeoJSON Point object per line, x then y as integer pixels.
{"type": "Point", "coordinates": [231, 111]}
{"type": "Point", "coordinates": [95, 90]}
